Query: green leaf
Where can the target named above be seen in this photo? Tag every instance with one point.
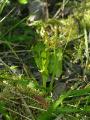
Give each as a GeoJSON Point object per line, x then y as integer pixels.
{"type": "Point", "coordinates": [2, 105]}
{"type": "Point", "coordinates": [2, 5]}
{"type": "Point", "coordinates": [55, 65]}
{"type": "Point", "coordinates": [23, 1]}
{"type": "Point", "coordinates": [68, 109]}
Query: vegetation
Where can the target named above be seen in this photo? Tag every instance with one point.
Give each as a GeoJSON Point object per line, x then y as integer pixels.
{"type": "Point", "coordinates": [45, 64]}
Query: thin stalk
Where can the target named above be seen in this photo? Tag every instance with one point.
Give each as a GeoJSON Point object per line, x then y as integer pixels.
{"type": "Point", "coordinates": [44, 81]}
{"type": "Point", "coordinates": [7, 15]}
{"type": "Point", "coordinates": [51, 83]}
{"type": "Point", "coordinates": [86, 51]}
{"type": "Point", "coordinates": [17, 113]}
{"type": "Point", "coordinates": [86, 45]}
{"type": "Point", "coordinates": [13, 27]}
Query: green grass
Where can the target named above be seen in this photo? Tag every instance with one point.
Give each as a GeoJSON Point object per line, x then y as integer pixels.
{"type": "Point", "coordinates": [56, 49]}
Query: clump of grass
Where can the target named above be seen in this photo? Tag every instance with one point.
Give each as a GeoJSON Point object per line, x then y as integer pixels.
{"type": "Point", "coordinates": [59, 45]}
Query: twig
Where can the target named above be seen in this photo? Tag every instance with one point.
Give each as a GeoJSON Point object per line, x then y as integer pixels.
{"type": "Point", "coordinates": [30, 106]}
{"type": "Point", "coordinates": [26, 107]}
{"type": "Point", "coordinates": [18, 51]}
{"type": "Point", "coordinates": [17, 113]}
